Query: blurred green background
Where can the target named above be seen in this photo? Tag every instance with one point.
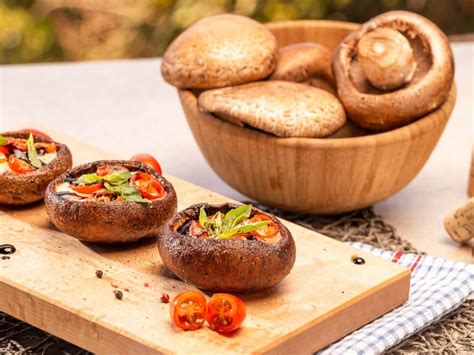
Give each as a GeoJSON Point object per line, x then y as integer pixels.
{"type": "Point", "coordinates": [69, 30]}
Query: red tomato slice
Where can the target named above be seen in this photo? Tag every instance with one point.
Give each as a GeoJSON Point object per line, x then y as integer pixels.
{"type": "Point", "coordinates": [148, 186]}
{"type": "Point", "coordinates": [19, 166]}
{"type": "Point", "coordinates": [36, 132]}
{"type": "Point", "coordinates": [268, 231]}
{"type": "Point", "coordinates": [104, 170]}
{"type": "Point", "coordinates": [148, 160]}
{"type": "Point", "coordinates": [196, 230]}
{"type": "Point", "coordinates": [4, 150]}
{"type": "Point", "coordinates": [87, 189]}
{"type": "Point", "coordinates": [188, 310]}
{"type": "Point", "coordinates": [225, 312]}
{"type": "Point", "coordinates": [48, 147]}
{"type": "Point", "coordinates": [18, 143]}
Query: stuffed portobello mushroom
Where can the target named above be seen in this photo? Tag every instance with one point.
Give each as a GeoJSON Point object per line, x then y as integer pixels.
{"type": "Point", "coordinates": [110, 201]}
{"type": "Point", "coordinates": [28, 163]}
{"type": "Point", "coordinates": [227, 248]}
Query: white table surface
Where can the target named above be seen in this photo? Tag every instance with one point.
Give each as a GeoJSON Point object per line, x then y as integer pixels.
{"type": "Point", "coordinates": [126, 107]}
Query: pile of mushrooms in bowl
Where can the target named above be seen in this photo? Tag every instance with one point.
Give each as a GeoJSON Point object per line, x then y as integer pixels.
{"type": "Point", "coordinates": [314, 116]}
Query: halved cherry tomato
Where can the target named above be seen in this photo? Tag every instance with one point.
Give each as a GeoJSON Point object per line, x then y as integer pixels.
{"type": "Point", "coordinates": [18, 143]}
{"type": "Point", "coordinates": [148, 186]}
{"type": "Point", "coordinates": [87, 189]}
{"type": "Point", "coordinates": [268, 231]}
{"type": "Point", "coordinates": [36, 132]}
{"type": "Point", "coordinates": [48, 147]}
{"type": "Point", "coordinates": [18, 165]}
{"type": "Point", "coordinates": [148, 160]}
{"type": "Point", "coordinates": [196, 230]}
{"type": "Point", "coordinates": [4, 150]}
{"type": "Point", "coordinates": [225, 312]}
{"type": "Point", "coordinates": [188, 310]}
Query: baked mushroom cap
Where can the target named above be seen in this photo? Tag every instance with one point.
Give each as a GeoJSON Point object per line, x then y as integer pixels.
{"type": "Point", "coordinates": [306, 62]}
{"type": "Point", "coordinates": [109, 222]}
{"type": "Point", "coordinates": [282, 108]}
{"type": "Point", "coordinates": [226, 265]}
{"type": "Point", "coordinates": [219, 51]}
{"type": "Point", "coordinates": [422, 92]}
{"type": "Point", "coordinates": [22, 189]}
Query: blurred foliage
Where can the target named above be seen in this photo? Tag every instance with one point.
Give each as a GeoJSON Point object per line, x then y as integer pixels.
{"type": "Point", "coordinates": [57, 30]}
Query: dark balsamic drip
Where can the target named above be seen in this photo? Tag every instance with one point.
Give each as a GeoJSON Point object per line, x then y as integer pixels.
{"type": "Point", "coordinates": [7, 249]}
{"type": "Point", "coordinates": [358, 260]}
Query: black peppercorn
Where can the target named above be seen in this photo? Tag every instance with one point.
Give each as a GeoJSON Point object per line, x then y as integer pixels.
{"type": "Point", "coordinates": [118, 294]}
{"type": "Point", "coordinates": [99, 274]}
{"type": "Point", "coordinates": [358, 260]}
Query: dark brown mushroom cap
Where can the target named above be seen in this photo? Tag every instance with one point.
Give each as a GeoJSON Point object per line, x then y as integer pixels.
{"type": "Point", "coordinates": [429, 88]}
{"type": "Point", "coordinates": [283, 108]}
{"type": "Point", "coordinates": [109, 222]}
{"type": "Point", "coordinates": [302, 61]}
{"type": "Point", "coordinates": [228, 265]}
{"type": "Point", "coordinates": [219, 51]}
{"type": "Point", "coordinates": [22, 189]}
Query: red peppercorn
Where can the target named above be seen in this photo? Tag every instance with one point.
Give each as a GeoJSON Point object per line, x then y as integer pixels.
{"type": "Point", "coordinates": [165, 298]}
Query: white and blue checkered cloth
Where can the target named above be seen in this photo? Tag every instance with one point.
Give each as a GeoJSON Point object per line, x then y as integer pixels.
{"type": "Point", "coordinates": [437, 287]}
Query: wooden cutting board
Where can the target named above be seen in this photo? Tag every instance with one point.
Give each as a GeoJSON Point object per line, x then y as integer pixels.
{"type": "Point", "coordinates": [50, 282]}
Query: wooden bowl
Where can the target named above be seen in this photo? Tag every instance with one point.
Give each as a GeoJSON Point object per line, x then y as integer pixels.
{"type": "Point", "coordinates": [308, 174]}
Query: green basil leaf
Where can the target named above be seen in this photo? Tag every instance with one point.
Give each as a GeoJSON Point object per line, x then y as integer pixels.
{"type": "Point", "coordinates": [216, 222]}
{"type": "Point", "coordinates": [3, 140]}
{"type": "Point", "coordinates": [235, 216]}
{"type": "Point", "coordinates": [128, 192]}
{"type": "Point", "coordinates": [203, 219]}
{"type": "Point", "coordinates": [243, 228]}
{"type": "Point", "coordinates": [89, 179]}
{"type": "Point", "coordinates": [32, 155]}
{"type": "Point", "coordinates": [118, 177]}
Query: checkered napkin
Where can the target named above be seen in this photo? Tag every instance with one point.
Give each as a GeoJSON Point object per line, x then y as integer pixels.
{"type": "Point", "coordinates": [437, 287]}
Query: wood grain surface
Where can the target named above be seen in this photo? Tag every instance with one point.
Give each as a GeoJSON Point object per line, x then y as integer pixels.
{"type": "Point", "coordinates": [314, 175]}
{"type": "Point", "coordinates": [50, 282]}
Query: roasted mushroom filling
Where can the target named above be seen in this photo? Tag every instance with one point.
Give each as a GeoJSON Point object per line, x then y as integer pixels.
{"type": "Point", "coordinates": [237, 223]}
{"type": "Point", "coordinates": [21, 156]}
{"type": "Point", "coordinates": [112, 184]}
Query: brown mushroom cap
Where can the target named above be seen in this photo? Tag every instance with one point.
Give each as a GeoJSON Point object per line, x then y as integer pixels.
{"type": "Point", "coordinates": [305, 62]}
{"type": "Point", "coordinates": [109, 222]}
{"type": "Point", "coordinates": [219, 51]}
{"type": "Point", "coordinates": [227, 265]}
{"type": "Point", "coordinates": [22, 189]}
{"type": "Point", "coordinates": [381, 110]}
{"type": "Point", "coordinates": [282, 108]}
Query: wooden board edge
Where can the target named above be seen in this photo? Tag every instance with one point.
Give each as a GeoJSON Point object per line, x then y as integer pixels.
{"type": "Point", "coordinates": [327, 328]}
{"type": "Point", "coordinates": [92, 336]}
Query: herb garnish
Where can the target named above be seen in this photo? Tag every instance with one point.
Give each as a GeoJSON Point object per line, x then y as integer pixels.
{"type": "Point", "coordinates": [32, 154]}
{"type": "Point", "coordinates": [127, 191]}
{"type": "Point", "coordinates": [3, 140]}
{"type": "Point", "coordinates": [220, 226]}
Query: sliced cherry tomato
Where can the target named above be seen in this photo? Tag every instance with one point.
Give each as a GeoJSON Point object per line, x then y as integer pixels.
{"type": "Point", "coordinates": [18, 143]}
{"type": "Point", "coordinates": [265, 232]}
{"type": "Point", "coordinates": [87, 189]}
{"type": "Point", "coordinates": [4, 150]}
{"type": "Point", "coordinates": [36, 132]}
{"type": "Point", "coordinates": [148, 186]}
{"type": "Point", "coordinates": [225, 312]}
{"type": "Point", "coordinates": [104, 170]}
{"type": "Point", "coordinates": [196, 230]}
{"type": "Point", "coordinates": [148, 160]}
{"type": "Point", "coordinates": [48, 147]}
{"type": "Point", "coordinates": [19, 166]}
{"type": "Point", "coordinates": [188, 310]}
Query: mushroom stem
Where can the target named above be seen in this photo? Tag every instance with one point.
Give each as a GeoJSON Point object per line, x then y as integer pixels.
{"type": "Point", "coordinates": [386, 58]}
{"type": "Point", "coordinates": [460, 223]}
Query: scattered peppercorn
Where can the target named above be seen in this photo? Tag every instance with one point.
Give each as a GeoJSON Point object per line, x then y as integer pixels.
{"type": "Point", "coordinates": [146, 284]}
{"type": "Point", "coordinates": [5, 258]}
{"type": "Point", "coordinates": [118, 294]}
{"type": "Point", "coordinates": [99, 274]}
{"type": "Point", "coordinates": [165, 298]}
{"type": "Point", "coordinates": [358, 260]}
